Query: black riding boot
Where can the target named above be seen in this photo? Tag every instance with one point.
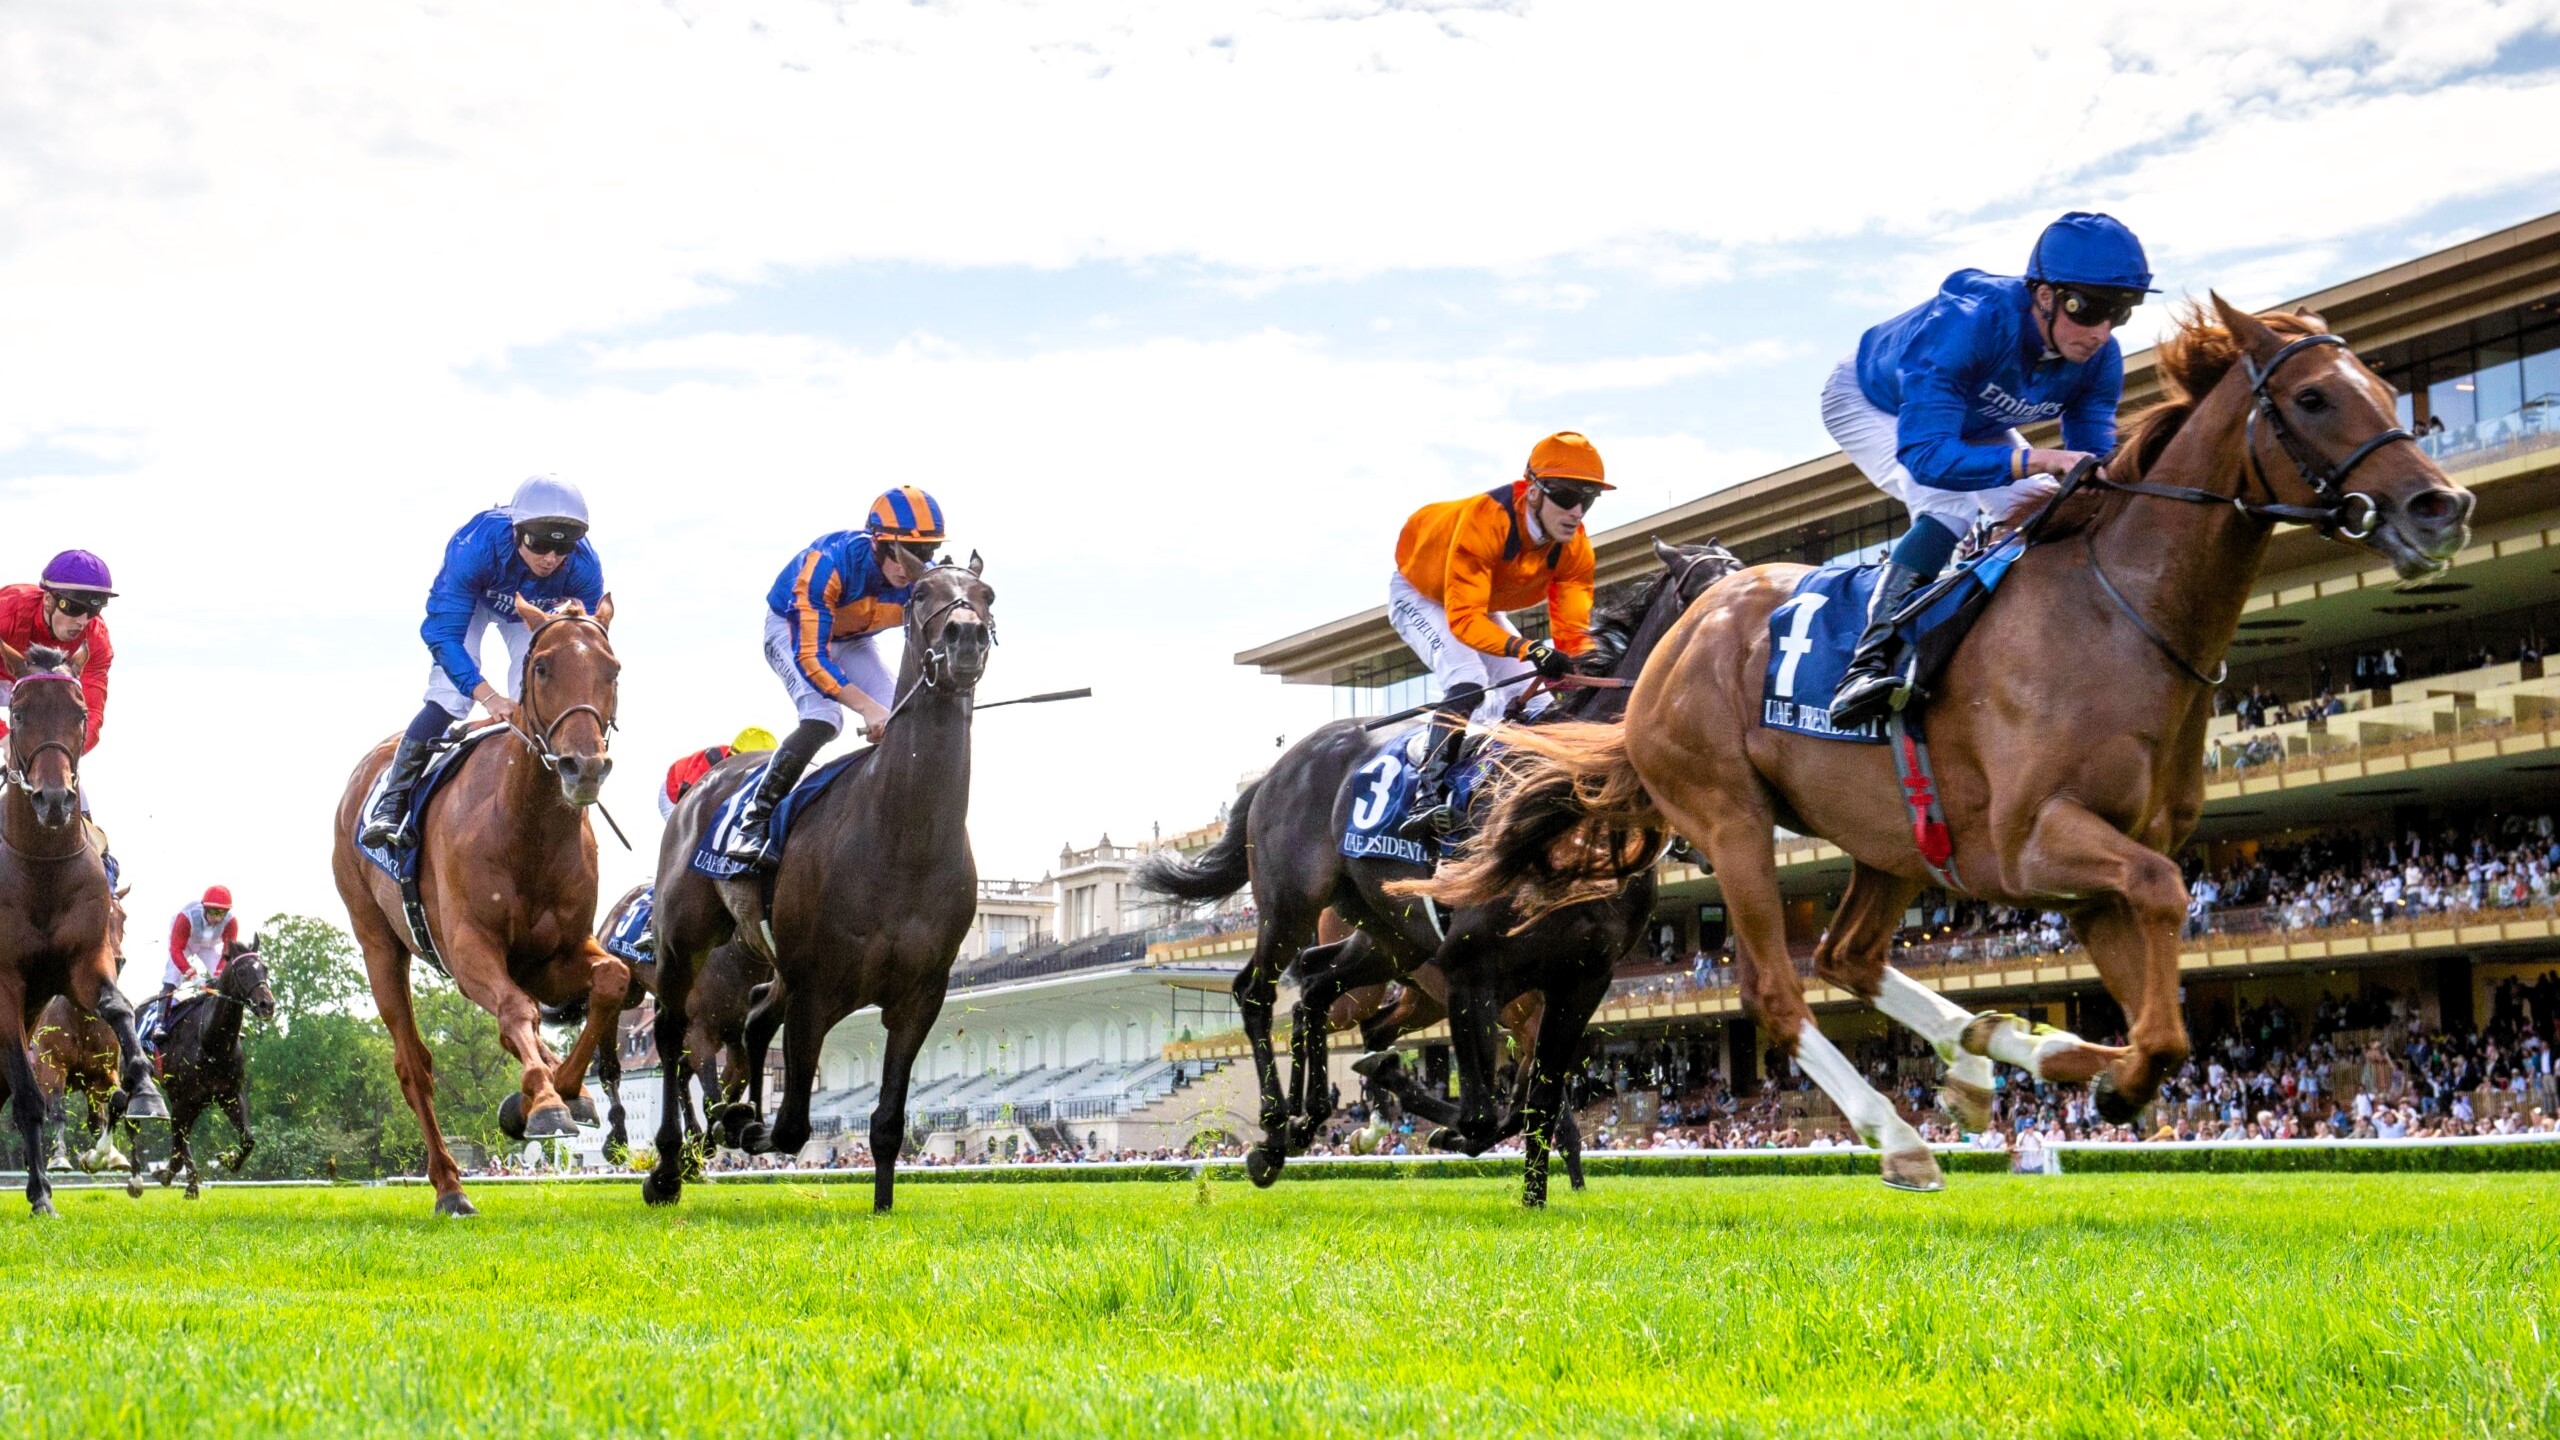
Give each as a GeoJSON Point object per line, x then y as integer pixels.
{"type": "Point", "coordinates": [754, 840]}
{"type": "Point", "coordinates": [1430, 815]}
{"type": "Point", "coordinates": [1866, 690]}
{"type": "Point", "coordinates": [407, 764]}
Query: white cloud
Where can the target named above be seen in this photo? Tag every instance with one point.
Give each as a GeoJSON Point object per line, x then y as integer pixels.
{"type": "Point", "coordinates": [247, 250]}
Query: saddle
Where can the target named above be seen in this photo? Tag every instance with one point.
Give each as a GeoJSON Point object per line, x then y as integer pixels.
{"type": "Point", "coordinates": [398, 857]}
{"type": "Point", "coordinates": [747, 890]}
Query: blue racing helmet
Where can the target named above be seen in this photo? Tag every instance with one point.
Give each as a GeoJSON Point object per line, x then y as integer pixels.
{"type": "Point", "coordinates": [2087, 248]}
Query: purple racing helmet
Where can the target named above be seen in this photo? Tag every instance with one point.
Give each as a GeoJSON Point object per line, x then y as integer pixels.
{"type": "Point", "coordinates": [78, 570]}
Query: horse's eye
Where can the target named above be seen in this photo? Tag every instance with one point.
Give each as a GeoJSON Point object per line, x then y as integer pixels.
{"type": "Point", "coordinates": [542, 669]}
{"type": "Point", "coordinates": [2312, 401]}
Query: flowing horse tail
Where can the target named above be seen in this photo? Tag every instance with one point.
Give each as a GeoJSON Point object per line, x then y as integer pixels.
{"type": "Point", "coordinates": [1571, 823]}
{"type": "Point", "coordinates": [1217, 872]}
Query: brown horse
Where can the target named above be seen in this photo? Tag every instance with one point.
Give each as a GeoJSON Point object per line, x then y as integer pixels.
{"type": "Point", "coordinates": [56, 914]}
{"type": "Point", "coordinates": [715, 1040]}
{"type": "Point", "coordinates": [75, 1054]}
{"type": "Point", "coordinates": [507, 872]}
{"type": "Point", "coordinates": [2068, 734]}
{"type": "Point", "coordinates": [871, 899]}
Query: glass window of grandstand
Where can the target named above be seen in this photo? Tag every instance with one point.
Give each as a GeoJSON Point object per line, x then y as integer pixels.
{"type": "Point", "coordinates": [1382, 687]}
{"type": "Point", "coordinates": [2483, 391]}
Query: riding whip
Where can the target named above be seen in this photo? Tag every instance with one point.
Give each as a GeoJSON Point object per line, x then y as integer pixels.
{"type": "Point", "coordinates": [617, 829]}
{"type": "Point", "coordinates": [1083, 694]}
{"type": "Point", "coordinates": [1559, 682]}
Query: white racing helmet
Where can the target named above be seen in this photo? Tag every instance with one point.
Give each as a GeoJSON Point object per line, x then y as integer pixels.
{"type": "Point", "coordinates": [547, 497]}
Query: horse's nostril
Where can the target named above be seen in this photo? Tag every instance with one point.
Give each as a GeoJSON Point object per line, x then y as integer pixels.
{"type": "Point", "coordinates": [2440, 506]}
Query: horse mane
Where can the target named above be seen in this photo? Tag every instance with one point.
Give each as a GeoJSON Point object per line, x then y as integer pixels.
{"type": "Point", "coordinates": [2193, 358]}
{"type": "Point", "coordinates": [1620, 614]}
{"type": "Point", "coordinates": [47, 657]}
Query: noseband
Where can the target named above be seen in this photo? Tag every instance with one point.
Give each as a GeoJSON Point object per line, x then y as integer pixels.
{"type": "Point", "coordinates": [936, 657]}
{"type": "Point", "coordinates": [540, 735]}
{"type": "Point", "coordinates": [13, 776]}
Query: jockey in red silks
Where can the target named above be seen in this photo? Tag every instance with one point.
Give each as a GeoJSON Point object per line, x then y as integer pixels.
{"type": "Point", "coordinates": [688, 772]}
{"type": "Point", "coordinates": [200, 941]}
{"type": "Point", "coordinates": [62, 611]}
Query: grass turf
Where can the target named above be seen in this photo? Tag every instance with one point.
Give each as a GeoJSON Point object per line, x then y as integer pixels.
{"type": "Point", "coordinates": [2115, 1305]}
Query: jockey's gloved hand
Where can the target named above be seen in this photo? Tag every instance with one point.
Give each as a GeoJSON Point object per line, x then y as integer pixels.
{"type": "Point", "coordinates": [1550, 661]}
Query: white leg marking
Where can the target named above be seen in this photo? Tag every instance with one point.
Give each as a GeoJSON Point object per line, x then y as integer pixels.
{"type": "Point", "coordinates": [1869, 1113]}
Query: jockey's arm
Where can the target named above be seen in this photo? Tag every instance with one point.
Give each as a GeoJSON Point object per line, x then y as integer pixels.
{"type": "Point", "coordinates": [178, 932]}
{"type": "Point", "coordinates": [1569, 602]}
{"type": "Point", "coordinates": [2089, 422]}
{"type": "Point", "coordinates": [1467, 591]}
{"type": "Point", "coordinates": [93, 683]}
{"type": "Point", "coordinates": [1929, 432]}
{"type": "Point", "coordinates": [450, 603]}
{"type": "Point", "coordinates": [815, 591]}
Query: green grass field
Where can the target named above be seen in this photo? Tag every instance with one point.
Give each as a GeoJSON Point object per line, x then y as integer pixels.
{"type": "Point", "coordinates": [2314, 1305]}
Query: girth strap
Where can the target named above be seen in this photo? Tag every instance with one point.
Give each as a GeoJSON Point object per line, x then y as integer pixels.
{"type": "Point", "coordinates": [1920, 796]}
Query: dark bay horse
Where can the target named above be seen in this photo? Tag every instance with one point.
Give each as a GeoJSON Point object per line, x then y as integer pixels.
{"type": "Point", "coordinates": [75, 1053]}
{"type": "Point", "coordinates": [1283, 837]}
{"type": "Point", "coordinates": [872, 898]}
{"type": "Point", "coordinates": [202, 1065]}
{"type": "Point", "coordinates": [57, 933]}
{"type": "Point", "coordinates": [507, 871]}
{"type": "Point", "coordinates": [2068, 742]}
{"type": "Point", "coordinates": [715, 1040]}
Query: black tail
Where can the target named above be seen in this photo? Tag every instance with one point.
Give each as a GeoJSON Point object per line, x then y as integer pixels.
{"type": "Point", "coordinates": [1219, 871]}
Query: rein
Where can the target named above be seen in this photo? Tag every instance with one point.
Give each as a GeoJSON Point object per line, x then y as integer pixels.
{"type": "Point", "coordinates": [541, 736]}
{"type": "Point", "coordinates": [2327, 481]}
{"type": "Point", "coordinates": [932, 658]}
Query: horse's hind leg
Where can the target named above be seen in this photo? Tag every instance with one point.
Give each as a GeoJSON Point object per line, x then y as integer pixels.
{"type": "Point", "coordinates": [1560, 1028]}
{"type": "Point", "coordinates": [1735, 837]}
{"type": "Point", "coordinates": [1256, 991]}
{"type": "Point", "coordinates": [2131, 929]}
{"type": "Point", "coordinates": [386, 967]}
{"type": "Point", "coordinates": [143, 1100]}
{"type": "Point", "coordinates": [236, 1106]}
{"type": "Point", "coordinates": [1343, 965]}
{"type": "Point", "coordinates": [1852, 956]}
{"type": "Point", "coordinates": [26, 1100]}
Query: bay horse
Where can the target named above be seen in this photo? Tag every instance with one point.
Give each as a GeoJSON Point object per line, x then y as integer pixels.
{"type": "Point", "coordinates": [1282, 838]}
{"type": "Point", "coordinates": [873, 895]}
{"type": "Point", "coordinates": [57, 933]}
{"type": "Point", "coordinates": [507, 873]}
{"type": "Point", "coordinates": [202, 1065]}
{"type": "Point", "coordinates": [74, 1051]}
{"type": "Point", "coordinates": [715, 1040]}
{"type": "Point", "coordinates": [2068, 735]}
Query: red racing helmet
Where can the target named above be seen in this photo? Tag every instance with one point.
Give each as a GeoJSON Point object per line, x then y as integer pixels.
{"type": "Point", "coordinates": [217, 897]}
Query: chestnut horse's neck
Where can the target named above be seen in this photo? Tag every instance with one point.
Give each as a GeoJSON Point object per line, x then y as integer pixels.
{"type": "Point", "coordinates": [535, 806]}
{"type": "Point", "coordinates": [2186, 568]}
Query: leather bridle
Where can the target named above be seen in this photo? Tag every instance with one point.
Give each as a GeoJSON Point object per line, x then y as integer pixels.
{"type": "Point", "coordinates": [539, 735]}
{"type": "Point", "coordinates": [13, 776]}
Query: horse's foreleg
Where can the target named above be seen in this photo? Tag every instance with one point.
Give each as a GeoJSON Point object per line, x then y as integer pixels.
{"type": "Point", "coordinates": [907, 1024]}
{"type": "Point", "coordinates": [545, 1115]}
{"type": "Point", "coordinates": [664, 1184]}
{"type": "Point", "coordinates": [182, 1151]}
{"type": "Point", "coordinates": [236, 1106]}
{"type": "Point", "coordinates": [608, 984]}
{"type": "Point", "coordinates": [2131, 930]}
{"type": "Point", "coordinates": [1472, 1016]}
{"type": "Point", "coordinates": [617, 1138]}
{"type": "Point", "coordinates": [1853, 954]}
{"type": "Point", "coordinates": [387, 973]}
{"type": "Point", "coordinates": [143, 1100]}
{"type": "Point", "coordinates": [26, 1101]}
{"type": "Point", "coordinates": [763, 1020]}
{"type": "Point", "coordinates": [1558, 1031]}
{"type": "Point", "coordinates": [1321, 981]}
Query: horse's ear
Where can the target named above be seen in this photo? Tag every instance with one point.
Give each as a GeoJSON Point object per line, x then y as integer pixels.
{"type": "Point", "coordinates": [604, 612]}
{"type": "Point", "coordinates": [531, 614]}
{"type": "Point", "coordinates": [2312, 318]}
{"type": "Point", "coordinates": [127, 890]}
{"type": "Point", "coordinates": [976, 565]}
{"type": "Point", "coordinates": [2248, 329]}
{"type": "Point", "coordinates": [12, 661]}
{"type": "Point", "coordinates": [1668, 554]}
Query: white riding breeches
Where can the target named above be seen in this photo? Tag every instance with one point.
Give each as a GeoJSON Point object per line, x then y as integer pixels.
{"type": "Point", "coordinates": [1424, 625]}
{"type": "Point", "coordinates": [1871, 439]}
{"type": "Point", "coordinates": [452, 698]}
{"type": "Point", "coordinates": [859, 658]}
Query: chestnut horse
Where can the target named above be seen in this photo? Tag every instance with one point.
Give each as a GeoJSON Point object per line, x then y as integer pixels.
{"type": "Point", "coordinates": [2068, 739]}
{"type": "Point", "coordinates": [507, 873]}
{"type": "Point", "coordinates": [871, 899]}
{"type": "Point", "coordinates": [56, 914]}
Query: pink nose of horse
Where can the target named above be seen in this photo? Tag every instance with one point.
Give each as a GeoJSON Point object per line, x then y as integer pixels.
{"type": "Point", "coordinates": [2442, 512]}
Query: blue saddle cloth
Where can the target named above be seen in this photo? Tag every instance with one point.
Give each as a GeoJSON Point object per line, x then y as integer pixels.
{"type": "Point", "coordinates": [1384, 794]}
{"type": "Point", "coordinates": [711, 858]}
{"type": "Point", "coordinates": [399, 859]}
{"type": "Point", "coordinates": [1813, 634]}
{"type": "Point", "coordinates": [628, 938]}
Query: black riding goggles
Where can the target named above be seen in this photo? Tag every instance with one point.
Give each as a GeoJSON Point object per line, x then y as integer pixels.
{"type": "Point", "coordinates": [2095, 307]}
{"type": "Point", "coordinates": [550, 537]}
{"type": "Point", "coordinates": [76, 602]}
{"type": "Point", "coordinates": [1570, 494]}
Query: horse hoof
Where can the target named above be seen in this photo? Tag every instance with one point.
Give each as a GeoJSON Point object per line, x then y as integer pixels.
{"type": "Point", "coordinates": [1969, 1103]}
{"type": "Point", "coordinates": [1578, 1185]}
{"type": "Point", "coordinates": [583, 1110]}
{"type": "Point", "coordinates": [551, 1122]}
{"type": "Point", "coordinates": [1262, 1166]}
{"type": "Point", "coordinates": [1915, 1170]}
{"type": "Point", "coordinates": [2114, 1106]}
{"type": "Point", "coordinates": [756, 1139]}
{"type": "Point", "coordinates": [43, 1210]}
{"type": "Point", "coordinates": [454, 1204]}
{"type": "Point", "coordinates": [661, 1189]}
{"type": "Point", "coordinates": [617, 1152]}
{"type": "Point", "coordinates": [133, 1187]}
{"type": "Point", "coordinates": [511, 1116]}
{"type": "Point", "coordinates": [146, 1104]}
{"type": "Point", "coordinates": [193, 1193]}
{"type": "Point", "coordinates": [165, 1176]}
{"type": "Point", "coordinates": [1376, 1064]}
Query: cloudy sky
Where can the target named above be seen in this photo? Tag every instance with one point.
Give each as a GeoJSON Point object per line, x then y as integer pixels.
{"type": "Point", "coordinates": [1179, 308]}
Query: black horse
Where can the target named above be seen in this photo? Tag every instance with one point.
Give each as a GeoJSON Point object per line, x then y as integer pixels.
{"type": "Point", "coordinates": [201, 1065]}
{"type": "Point", "coordinates": [1282, 838]}
{"type": "Point", "coordinates": [872, 898]}
{"type": "Point", "coordinates": [715, 1047]}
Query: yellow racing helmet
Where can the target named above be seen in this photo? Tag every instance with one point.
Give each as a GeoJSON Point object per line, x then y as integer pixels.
{"type": "Point", "coordinates": [752, 739]}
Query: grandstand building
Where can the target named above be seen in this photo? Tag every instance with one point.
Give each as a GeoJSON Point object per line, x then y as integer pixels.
{"type": "Point", "coordinates": [2380, 726]}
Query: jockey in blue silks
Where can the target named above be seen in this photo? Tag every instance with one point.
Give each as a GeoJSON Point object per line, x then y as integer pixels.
{"type": "Point", "coordinates": [534, 546]}
{"type": "Point", "coordinates": [1930, 406]}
